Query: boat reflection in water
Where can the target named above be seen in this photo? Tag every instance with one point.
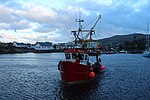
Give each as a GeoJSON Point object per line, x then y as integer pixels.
{"type": "Point", "coordinates": [146, 53]}
{"type": "Point", "coordinates": [79, 92]}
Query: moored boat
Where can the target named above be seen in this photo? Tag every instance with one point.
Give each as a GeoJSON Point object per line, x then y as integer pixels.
{"type": "Point", "coordinates": [77, 67]}
{"type": "Point", "coordinates": [147, 51]}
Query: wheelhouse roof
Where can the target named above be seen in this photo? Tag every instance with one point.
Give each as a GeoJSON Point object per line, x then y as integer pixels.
{"type": "Point", "coordinates": [75, 51]}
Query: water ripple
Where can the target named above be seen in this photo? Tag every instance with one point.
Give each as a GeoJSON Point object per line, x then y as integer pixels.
{"type": "Point", "coordinates": [35, 77]}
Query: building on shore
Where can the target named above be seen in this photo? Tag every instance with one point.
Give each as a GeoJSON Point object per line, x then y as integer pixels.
{"type": "Point", "coordinates": [21, 45]}
{"type": "Point", "coordinates": [43, 46]}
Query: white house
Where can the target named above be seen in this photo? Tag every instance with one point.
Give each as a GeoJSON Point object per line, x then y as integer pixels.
{"type": "Point", "coordinates": [43, 46]}
{"type": "Point", "coordinates": [16, 44]}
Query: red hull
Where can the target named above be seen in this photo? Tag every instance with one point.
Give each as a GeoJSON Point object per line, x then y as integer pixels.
{"type": "Point", "coordinates": [72, 72]}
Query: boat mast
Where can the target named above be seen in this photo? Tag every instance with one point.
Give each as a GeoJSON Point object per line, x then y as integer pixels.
{"type": "Point", "coordinates": [88, 37]}
{"type": "Point", "coordinates": [148, 36]}
{"type": "Point", "coordinates": [76, 33]}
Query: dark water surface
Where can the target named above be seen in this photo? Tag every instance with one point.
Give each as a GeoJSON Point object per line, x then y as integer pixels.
{"type": "Point", "coordinates": [32, 76]}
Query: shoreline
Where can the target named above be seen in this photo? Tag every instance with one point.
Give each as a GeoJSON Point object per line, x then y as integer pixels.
{"type": "Point", "coordinates": [62, 51]}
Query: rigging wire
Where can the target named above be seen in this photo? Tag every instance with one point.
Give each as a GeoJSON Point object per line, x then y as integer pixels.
{"type": "Point", "coordinates": [75, 13]}
{"type": "Point", "coordinates": [90, 23]}
{"type": "Point", "coordinates": [99, 30]}
{"type": "Point", "coordinates": [97, 33]}
{"type": "Point", "coordinates": [80, 17]}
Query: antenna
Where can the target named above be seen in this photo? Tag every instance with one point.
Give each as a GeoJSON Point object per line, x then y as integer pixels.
{"type": "Point", "coordinates": [80, 23]}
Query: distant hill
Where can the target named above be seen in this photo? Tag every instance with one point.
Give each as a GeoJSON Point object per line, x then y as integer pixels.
{"type": "Point", "coordinates": [122, 38]}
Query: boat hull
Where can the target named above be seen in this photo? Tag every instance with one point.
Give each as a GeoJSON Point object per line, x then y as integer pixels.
{"type": "Point", "coordinates": [71, 72]}
{"type": "Point", "coordinates": [146, 55]}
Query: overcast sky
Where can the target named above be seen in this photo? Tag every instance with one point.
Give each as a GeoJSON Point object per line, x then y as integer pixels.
{"type": "Point", "coordinates": [30, 21]}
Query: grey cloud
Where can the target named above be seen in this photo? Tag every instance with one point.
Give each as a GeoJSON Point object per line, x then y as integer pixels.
{"type": "Point", "coordinates": [6, 15]}
{"type": "Point", "coordinates": [16, 26]}
{"type": "Point", "coordinates": [20, 25]}
{"type": "Point", "coordinates": [1, 36]}
{"type": "Point", "coordinates": [120, 17]}
{"type": "Point", "coordinates": [45, 28]}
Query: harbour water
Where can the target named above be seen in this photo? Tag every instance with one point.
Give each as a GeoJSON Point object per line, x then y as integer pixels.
{"type": "Point", "coordinates": [35, 76]}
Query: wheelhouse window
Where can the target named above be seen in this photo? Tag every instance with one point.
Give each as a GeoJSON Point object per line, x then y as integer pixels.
{"type": "Point", "coordinates": [73, 55]}
{"type": "Point", "coordinates": [81, 56]}
{"type": "Point", "coordinates": [86, 57]}
{"type": "Point", "coordinates": [67, 56]}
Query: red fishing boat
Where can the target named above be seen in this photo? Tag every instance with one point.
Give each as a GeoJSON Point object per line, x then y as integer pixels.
{"type": "Point", "coordinates": [77, 66]}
